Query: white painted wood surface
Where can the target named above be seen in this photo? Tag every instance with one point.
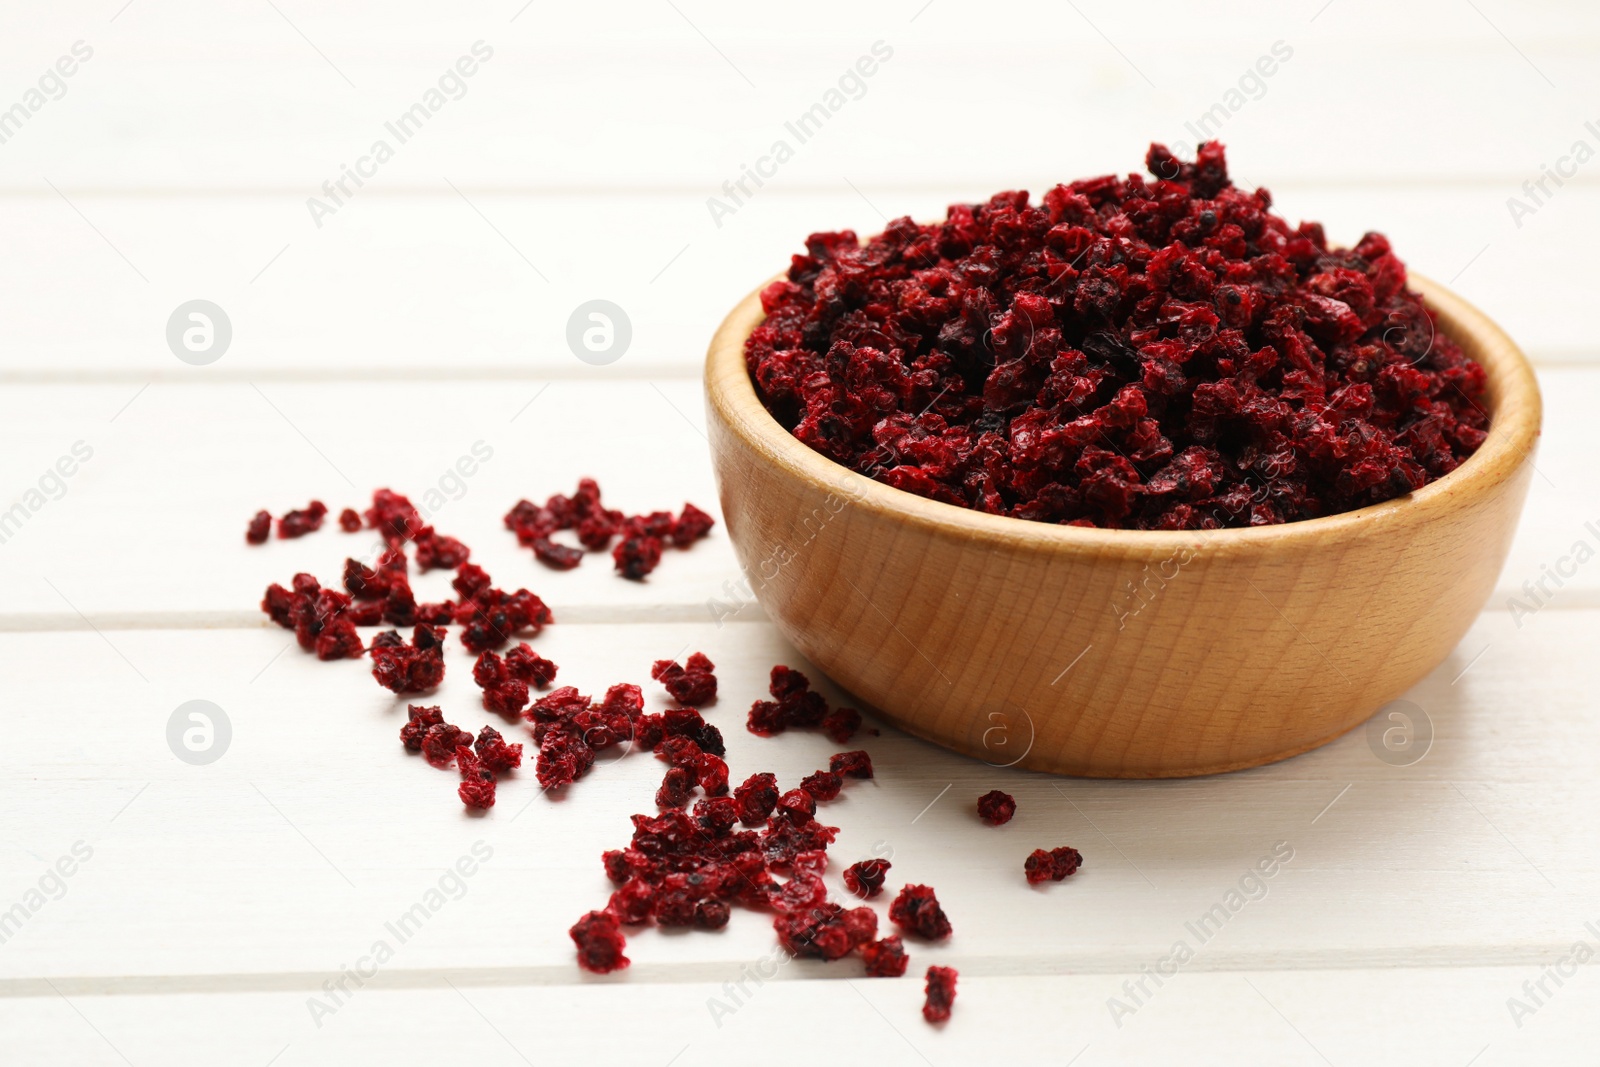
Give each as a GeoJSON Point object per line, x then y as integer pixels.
{"type": "Point", "coordinates": [429, 313]}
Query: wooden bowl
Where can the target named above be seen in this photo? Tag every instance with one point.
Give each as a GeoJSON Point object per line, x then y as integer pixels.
{"type": "Point", "coordinates": [1116, 653]}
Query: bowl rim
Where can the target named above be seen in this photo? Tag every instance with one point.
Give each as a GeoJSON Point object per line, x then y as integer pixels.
{"type": "Point", "coordinates": [1512, 392]}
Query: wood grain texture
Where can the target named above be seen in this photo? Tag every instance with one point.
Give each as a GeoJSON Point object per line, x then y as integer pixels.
{"type": "Point", "coordinates": [1118, 653]}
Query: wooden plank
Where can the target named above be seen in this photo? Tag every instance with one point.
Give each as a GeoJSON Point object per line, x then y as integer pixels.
{"type": "Point", "coordinates": [178, 469]}
{"type": "Point", "coordinates": [287, 855]}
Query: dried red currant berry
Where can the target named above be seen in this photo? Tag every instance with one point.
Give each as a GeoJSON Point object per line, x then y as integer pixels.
{"type": "Point", "coordinates": [399, 605]}
{"type": "Point", "coordinates": [564, 757]}
{"type": "Point", "coordinates": [692, 684]}
{"type": "Point", "coordinates": [596, 531]}
{"type": "Point", "coordinates": [766, 719]}
{"type": "Point", "coordinates": [259, 529]}
{"type": "Point", "coordinates": [439, 743]}
{"type": "Point", "coordinates": [1065, 862]}
{"type": "Point", "coordinates": [637, 555]}
{"type": "Point", "coordinates": [855, 764]}
{"type": "Point", "coordinates": [436, 551]}
{"type": "Point", "coordinates": [710, 915]}
{"type": "Point", "coordinates": [996, 808]}
{"type": "Point", "coordinates": [527, 665]}
{"type": "Point", "coordinates": [477, 779]}
{"type": "Point", "coordinates": [440, 613]}
{"type": "Point", "coordinates": [865, 879]}
{"type": "Point", "coordinates": [393, 516]}
{"type": "Point", "coordinates": [886, 958]}
{"type": "Point", "coordinates": [690, 526]}
{"type": "Point", "coordinates": [302, 521]}
{"type": "Point", "coordinates": [916, 910]}
{"type": "Point", "coordinates": [413, 668]}
{"type": "Point", "coordinates": [633, 902]}
{"type": "Point", "coordinates": [717, 814]}
{"type": "Point", "coordinates": [1039, 867]}
{"type": "Point", "coordinates": [841, 724]}
{"type": "Point", "coordinates": [501, 692]}
{"type": "Point", "coordinates": [711, 774]}
{"type": "Point", "coordinates": [616, 864]}
{"type": "Point", "coordinates": [339, 640]}
{"type": "Point", "coordinates": [687, 722]}
{"type": "Point", "coordinates": [491, 616]}
{"type": "Point", "coordinates": [599, 938]}
{"type": "Point", "coordinates": [797, 806]}
{"type": "Point", "coordinates": [553, 554]}
{"type": "Point", "coordinates": [757, 798]}
{"type": "Point", "coordinates": [823, 785]}
{"type": "Point", "coordinates": [470, 580]}
{"type": "Point", "coordinates": [940, 994]}
{"type": "Point", "coordinates": [420, 719]}
{"type": "Point", "coordinates": [349, 521]}
{"type": "Point", "coordinates": [675, 788]}
{"type": "Point", "coordinates": [491, 748]}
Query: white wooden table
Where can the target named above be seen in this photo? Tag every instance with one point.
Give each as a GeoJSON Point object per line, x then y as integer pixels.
{"type": "Point", "coordinates": [428, 313]}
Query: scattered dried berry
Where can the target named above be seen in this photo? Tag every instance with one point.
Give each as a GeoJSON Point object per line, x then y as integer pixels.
{"type": "Point", "coordinates": [600, 942]}
{"type": "Point", "coordinates": [941, 994]}
{"type": "Point", "coordinates": [302, 521]}
{"type": "Point", "coordinates": [420, 719]}
{"type": "Point", "coordinates": [527, 665]}
{"type": "Point", "coordinates": [691, 684]}
{"type": "Point", "coordinates": [491, 748]}
{"type": "Point", "coordinates": [865, 879]}
{"type": "Point", "coordinates": [1052, 866]}
{"type": "Point", "coordinates": [996, 808]}
{"type": "Point", "coordinates": [502, 692]}
{"type": "Point", "coordinates": [477, 779]}
{"type": "Point", "coordinates": [916, 910]}
{"type": "Point", "coordinates": [412, 668]}
{"type": "Point", "coordinates": [259, 529]}
{"type": "Point", "coordinates": [795, 704]}
{"type": "Point", "coordinates": [637, 556]}
{"type": "Point", "coordinates": [349, 521]}
{"type": "Point", "coordinates": [886, 958]}
{"type": "Point", "coordinates": [823, 785]}
{"type": "Point", "coordinates": [1128, 353]}
{"type": "Point", "coordinates": [757, 798]}
{"type": "Point", "coordinates": [441, 742]}
{"type": "Point", "coordinates": [436, 551]}
{"type": "Point", "coordinates": [855, 764]}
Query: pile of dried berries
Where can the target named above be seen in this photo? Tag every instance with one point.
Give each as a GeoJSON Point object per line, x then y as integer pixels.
{"type": "Point", "coordinates": [1160, 354]}
{"type": "Point", "coordinates": [1052, 866]}
{"type": "Point", "coordinates": [691, 684]}
{"type": "Point", "coordinates": [641, 537]}
{"type": "Point", "coordinates": [795, 703]}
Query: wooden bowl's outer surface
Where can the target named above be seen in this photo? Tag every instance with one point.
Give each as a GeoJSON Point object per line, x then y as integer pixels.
{"type": "Point", "coordinates": [1125, 654]}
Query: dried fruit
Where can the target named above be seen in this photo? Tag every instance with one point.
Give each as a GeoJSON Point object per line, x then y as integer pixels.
{"type": "Point", "coordinates": [916, 910]}
{"type": "Point", "coordinates": [1055, 865]}
{"type": "Point", "coordinates": [637, 555]}
{"type": "Point", "coordinates": [259, 529]}
{"type": "Point", "coordinates": [502, 692]}
{"type": "Point", "coordinates": [795, 704]}
{"type": "Point", "coordinates": [409, 668]}
{"type": "Point", "coordinates": [757, 798]}
{"type": "Point", "coordinates": [692, 684]}
{"type": "Point", "coordinates": [1128, 353]}
{"type": "Point", "coordinates": [600, 942]}
{"type": "Point", "coordinates": [996, 808]}
{"type": "Point", "coordinates": [940, 994]}
{"type": "Point", "coordinates": [865, 879]}
{"type": "Point", "coordinates": [477, 779]}
{"type": "Point", "coordinates": [302, 521]}
{"type": "Point", "coordinates": [855, 764]}
{"type": "Point", "coordinates": [349, 521]}
{"type": "Point", "coordinates": [886, 958]}
{"type": "Point", "coordinates": [491, 748]}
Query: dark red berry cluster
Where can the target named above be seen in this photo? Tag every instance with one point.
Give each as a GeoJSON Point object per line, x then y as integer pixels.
{"type": "Point", "coordinates": [996, 808]}
{"type": "Point", "coordinates": [1052, 866]}
{"type": "Point", "coordinates": [691, 684]}
{"type": "Point", "coordinates": [940, 993]}
{"type": "Point", "coordinates": [296, 523]}
{"type": "Point", "coordinates": [795, 704]}
{"type": "Point", "coordinates": [1136, 353]}
{"type": "Point", "coordinates": [506, 681]}
{"type": "Point", "coordinates": [640, 537]}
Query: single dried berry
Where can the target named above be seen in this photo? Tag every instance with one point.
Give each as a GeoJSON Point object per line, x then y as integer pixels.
{"type": "Point", "coordinates": [1052, 866]}
{"type": "Point", "coordinates": [690, 526]}
{"type": "Point", "coordinates": [1133, 353]}
{"type": "Point", "coordinates": [349, 521]}
{"type": "Point", "coordinates": [491, 748]}
{"type": "Point", "coordinates": [637, 555]}
{"type": "Point", "coordinates": [795, 704]}
{"type": "Point", "coordinates": [502, 692]}
{"type": "Point", "coordinates": [865, 879]}
{"type": "Point", "coordinates": [886, 958]}
{"type": "Point", "coordinates": [420, 719]}
{"type": "Point", "coordinates": [440, 742]}
{"type": "Point", "coordinates": [692, 684]}
{"type": "Point", "coordinates": [940, 993]}
{"type": "Point", "coordinates": [823, 785]}
{"type": "Point", "coordinates": [675, 788]}
{"type": "Point", "coordinates": [436, 551]}
{"type": "Point", "coordinates": [599, 938]}
{"type": "Point", "coordinates": [393, 516]}
{"type": "Point", "coordinates": [757, 798]}
{"type": "Point", "coordinates": [412, 668]}
{"type": "Point", "coordinates": [841, 724]}
{"type": "Point", "coordinates": [996, 808]}
{"type": "Point", "coordinates": [259, 529]}
{"type": "Point", "coordinates": [851, 764]}
{"type": "Point", "coordinates": [527, 665]}
{"type": "Point", "coordinates": [302, 521]}
{"type": "Point", "coordinates": [916, 910]}
{"type": "Point", "coordinates": [477, 779]}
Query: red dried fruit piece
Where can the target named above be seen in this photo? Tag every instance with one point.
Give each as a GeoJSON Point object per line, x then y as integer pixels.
{"type": "Point", "coordinates": [490, 616]}
{"type": "Point", "coordinates": [711, 774]}
{"type": "Point", "coordinates": [841, 724]}
{"type": "Point", "coordinates": [470, 580]}
{"type": "Point", "coordinates": [865, 879]}
{"type": "Point", "coordinates": [690, 526]}
{"type": "Point", "coordinates": [502, 693]}
{"type": "Point", "coordinates": [420, 719]}
{"type": "Point", "coordinates": [259, 529]}
{"type": "Point", "coordinates": [675, 788]}
{"type": "Point", "coordinates": [637, 555]}
{"type": "Point", "coordinates": [412, 668]}
{"type": "Point", "coordinates": [916, 910]}
{"type": "Point", "coordinates": [855, 764]}
{"type": "Point", "coordinates": [996, 808]}
{"type": "Point", "coordinates": [596, 531]}
{"type": "Point", "coordinates": [1052, 866]}
{"type": "Point", "coordinates": [477, 779]}
{"type": "Point", "coordinates": [528, 666]}
{"type": "Point", "coordinates": [824, 785]}
{"type": "Point", "coordinates": [757, 798]}
{"type": "Point", "coordinates": [599, 938]}
{"type": "Point", "coordinates": [886, 958]}
{"type": "Point", "coordinates": [393, 516]}
{"type": "Point", "coordinates": [692, 684]}
{"type": "Point", "coordinates": [687, 722]}
{"type": "Point", "coordinates": [825, 931]}
{"type": "Point", "coordinates": [440, 742]}
{"type": "Point", "coordinates": [491, 748]}
{"type": "Point", "coordinates": [797, 806]}
{"type": "Point", "coordinates": [349, 521]}
{"type": "Point", "coordinates": [436, 551]}
{"type": "Point", "coordinates": [339, 640]}
{"type": "Point", "coordinates": [302, 521]}
{"type": "Point", "coordinates": [556, 555]}
{"type": "Point", "coordinates": [940, 994]}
